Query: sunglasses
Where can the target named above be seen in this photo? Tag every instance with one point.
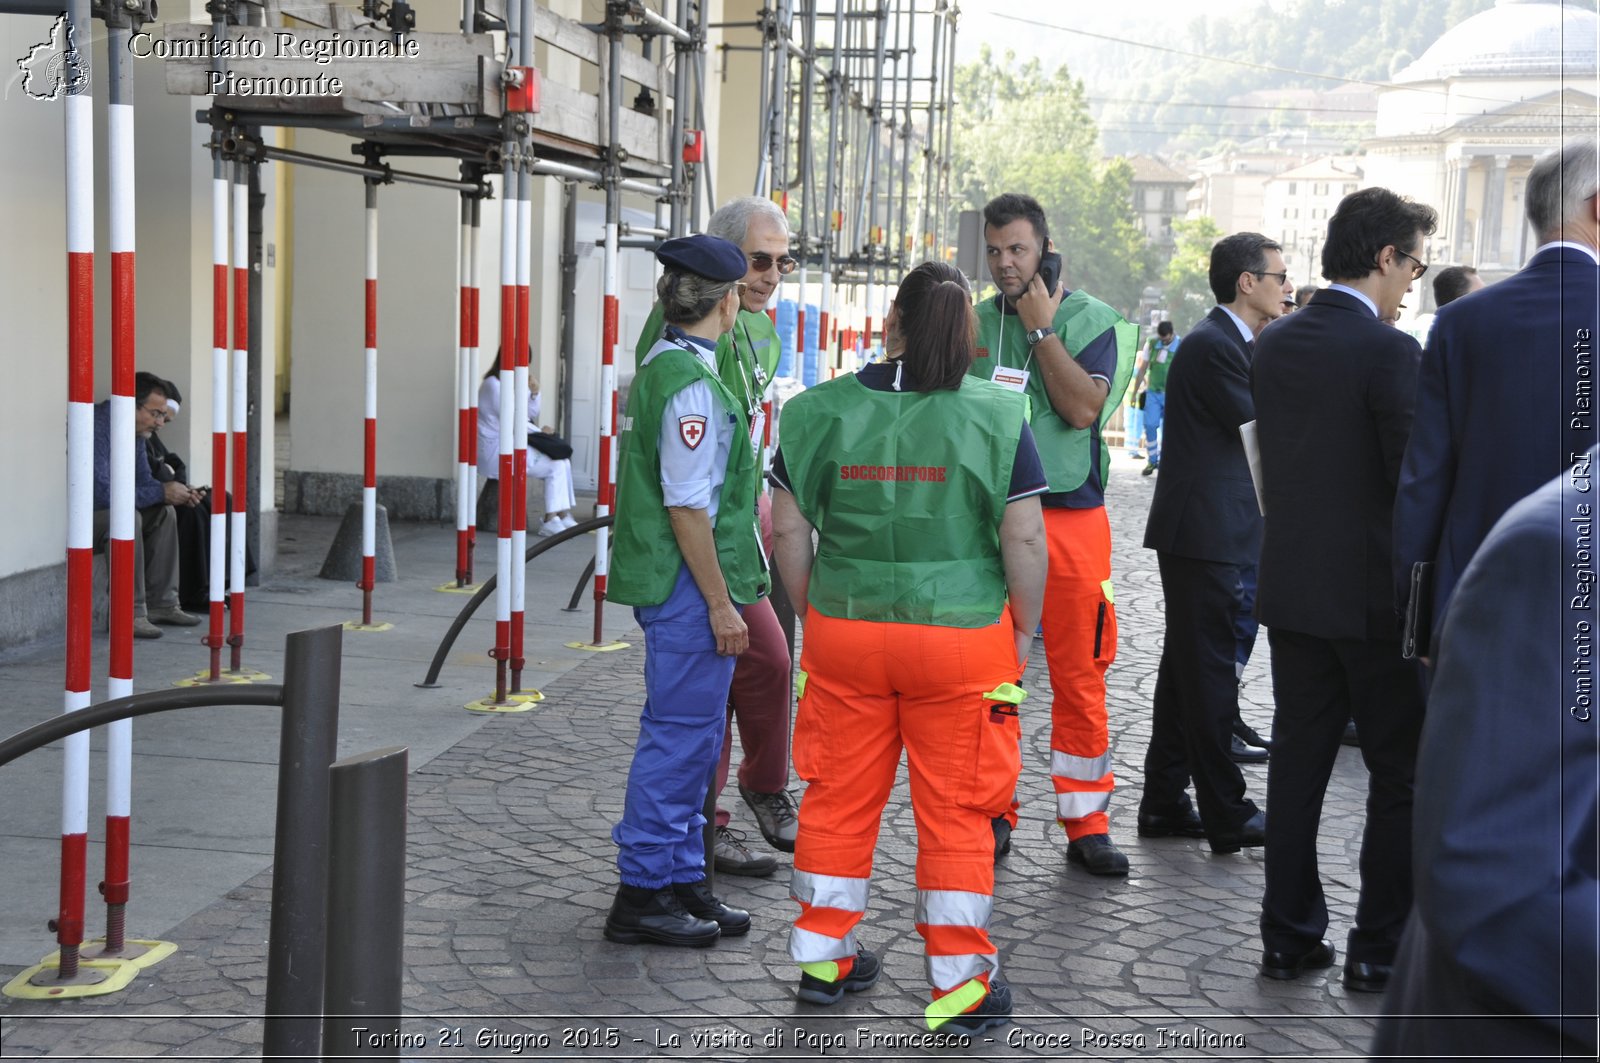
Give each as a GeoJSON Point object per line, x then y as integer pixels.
{"type": "Point", "coordinates": [762, 262]}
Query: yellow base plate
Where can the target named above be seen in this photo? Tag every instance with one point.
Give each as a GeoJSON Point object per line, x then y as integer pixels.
{"type": "Point", "coordinates": [203, 679]}
{"type": "Point", "coordinates": [245, 675]}
{"type": "Point", "coordinates": [451, 588]}
{"type": "Point", "coordinates": [137, 951]}
{"type": "Point", "coordinates": [514, 703]}
{"type": "Point", "coordinates": [96, 978]}
{"type": "Point", "coordinates": [604, 647]}
{"type": "Point", "coordinates": [356, 625]}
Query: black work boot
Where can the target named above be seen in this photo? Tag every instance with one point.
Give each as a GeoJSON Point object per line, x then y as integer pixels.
{"type": "Point", "coordinates": [698, 901]}
{"type": "Point", "coordinates": [640, 913]}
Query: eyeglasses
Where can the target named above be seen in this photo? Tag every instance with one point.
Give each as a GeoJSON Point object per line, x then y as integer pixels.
{"type": "Point", "coordinates": [1417, 270]}
{"type": "Point", "coordinates": [158, 412]}
{"type": "Point", "coordinates": [762, 262]}
{"type": "Point", "coordinates": [1281, 278]}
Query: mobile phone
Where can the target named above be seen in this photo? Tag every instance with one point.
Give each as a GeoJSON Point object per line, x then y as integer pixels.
{"type": "Point", "coordinates": [1050, 271]}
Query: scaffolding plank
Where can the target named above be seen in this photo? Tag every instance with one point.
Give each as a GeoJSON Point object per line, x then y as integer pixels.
{"type": "Point", "coordinates": [574, 115]}
{"type": "Point", "coordinates": [447, 68]}
{"type": "Point", "coordinates": [574, 38]}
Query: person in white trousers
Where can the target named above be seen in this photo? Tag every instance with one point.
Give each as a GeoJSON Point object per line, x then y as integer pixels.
{"type": "Point", "coordinates": [556, 473]}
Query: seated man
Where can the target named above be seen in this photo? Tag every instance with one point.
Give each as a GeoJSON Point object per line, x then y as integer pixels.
{"type": "Point", "coordinates": [155, 553]}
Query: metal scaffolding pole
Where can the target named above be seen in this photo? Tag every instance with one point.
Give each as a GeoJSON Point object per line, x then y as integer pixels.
{"type": "Point", "coordinates": [606, 479]}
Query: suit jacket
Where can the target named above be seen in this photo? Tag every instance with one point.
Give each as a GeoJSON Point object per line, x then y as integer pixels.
{"type": "Point", "coordinates": [1493, 417]}
{"type": "Point", "coordinates": [1504, 853]}
{"type": "Point", "coordinates": [1333, 389]}
{"type": "Point", "coordinates": [1205, 507]}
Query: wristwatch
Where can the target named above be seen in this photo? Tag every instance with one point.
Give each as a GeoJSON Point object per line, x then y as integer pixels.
{"type": "Point", "coordinates": [1036, 336]}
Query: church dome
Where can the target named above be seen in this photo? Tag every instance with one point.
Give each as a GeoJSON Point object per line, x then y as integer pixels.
{"type": "Point", "coordinates": [1515, 38]}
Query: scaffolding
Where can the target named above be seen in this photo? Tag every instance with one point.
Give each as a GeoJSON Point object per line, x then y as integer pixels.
{"type": "Point", "coordinates": [882, 70]}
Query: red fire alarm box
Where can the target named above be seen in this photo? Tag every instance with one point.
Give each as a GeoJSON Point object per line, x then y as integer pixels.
{"type": "Point", "coordinates": [522, 93]}
{"type": "Point", "coordinates": [694, 145]}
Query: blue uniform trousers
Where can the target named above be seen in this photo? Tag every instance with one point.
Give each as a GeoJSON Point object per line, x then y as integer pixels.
{"type": "Point", "coordinates": [680, 735]}
{"type": "Point", "coordinates": [1155, 408]}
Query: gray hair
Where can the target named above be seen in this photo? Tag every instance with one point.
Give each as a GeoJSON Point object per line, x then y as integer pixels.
{"type": "Point", "coordinates": [688, 297]}
{"type": "Point", "coordinates": [1560, 183]}
{"type": "Point", "coordinates": [732, 220]}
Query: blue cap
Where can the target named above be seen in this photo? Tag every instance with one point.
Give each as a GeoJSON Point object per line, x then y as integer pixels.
{"type": "Point", "coordinates": [710, 257]}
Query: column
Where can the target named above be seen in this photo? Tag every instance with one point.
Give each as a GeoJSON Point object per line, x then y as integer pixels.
{"type": "Point", "coordinates": [1494, 204]}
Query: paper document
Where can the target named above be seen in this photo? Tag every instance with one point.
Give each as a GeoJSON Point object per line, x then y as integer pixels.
{"type": "Point", "coordinates": [1252, 454]}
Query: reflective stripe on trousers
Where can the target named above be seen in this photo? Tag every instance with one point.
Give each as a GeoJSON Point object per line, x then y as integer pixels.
{"type": "Point", "coordinates": [955, 926]}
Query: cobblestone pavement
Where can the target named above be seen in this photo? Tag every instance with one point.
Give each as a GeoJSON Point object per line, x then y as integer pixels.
{"type": "Point", "coordinates": [511, 870]}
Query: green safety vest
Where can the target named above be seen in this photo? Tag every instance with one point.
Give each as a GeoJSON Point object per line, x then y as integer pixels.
{"type": "Point", "coordinates": [1156, 372]}
{"type": "Point", "coordinates": [645, 557]}
{"type": "Point", "coordinates": [907, 491]}
{"type": "Point", "coordinates": [1080, 318]}
{"type": "Point", "coordinates": [747, 355]}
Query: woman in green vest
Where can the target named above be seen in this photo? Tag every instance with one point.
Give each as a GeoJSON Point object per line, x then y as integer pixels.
{"type": "Point", "coordinates": [687, 557]}
{"type": "Point", "coordinates": [920, 601]}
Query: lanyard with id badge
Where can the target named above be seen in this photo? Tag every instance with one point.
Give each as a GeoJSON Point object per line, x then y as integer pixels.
{"type": "Point", "coordinates": [1005, 375]}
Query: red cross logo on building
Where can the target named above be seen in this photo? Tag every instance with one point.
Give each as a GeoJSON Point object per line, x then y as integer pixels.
{"type": "Point", "coordinates": [691, 429]}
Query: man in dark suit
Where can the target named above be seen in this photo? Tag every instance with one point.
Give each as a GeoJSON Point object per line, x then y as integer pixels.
{"type": "Point", "coordinates": [1333, 391]}
{"type": "Point", "coordinates": [1205, 526]}
{"type": "Point", "coordinates": [1493, 410]}
{"type": "Point", "coordinates": [1500, 954]}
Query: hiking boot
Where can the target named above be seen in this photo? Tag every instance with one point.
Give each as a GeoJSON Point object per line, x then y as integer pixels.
{"type": "Point", "coordinates": [1098, 855]}
{"type": "Point", "coordinates": [640, 913]}
{"type": "Point", "coordinates": [863, 975]}
{"type": "Point", "coordinates": [732, 857]}
{"type": "Point", "coordinates": [171, 614]}
{"type": "Point", "coordinates": [776, 817]}
{"type": "Point", "coordinates": [993, 1010]}
{"type": "Point", "coordinates": [698, 900]}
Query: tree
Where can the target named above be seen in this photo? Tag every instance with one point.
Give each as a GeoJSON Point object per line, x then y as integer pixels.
{"type": "Point", "coordinates": [1020, 130]}
{"type": "Point", "coordinates": [1188, 274]}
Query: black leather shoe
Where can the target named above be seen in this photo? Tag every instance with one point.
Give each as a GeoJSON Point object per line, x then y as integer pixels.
{"type": "Point", "coordinates": [1249, 734]}
{"type": "Point", "coordinates": [643, 914]}
{"type": "Point", "coordinates": [1241, 753]}
{"type": "Point", "coordinates": [1184, 825]}
{"type": "Point", "coordinates": [1253, 832]}
{"type": "Point", "coordinates": [698, 901]}
{"type": "Point", "coordinates": [1098, 855]}
{"type": "Point", "coordinates": [1002, 836]}
{"type": "Point", "coordinates": [1286, 965]}
{"type": "Point", "coordinates": [1366, 977]}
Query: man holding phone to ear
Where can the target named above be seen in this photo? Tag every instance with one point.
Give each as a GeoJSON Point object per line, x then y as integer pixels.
{"type": "Point", "coordinates": [1072, 356]}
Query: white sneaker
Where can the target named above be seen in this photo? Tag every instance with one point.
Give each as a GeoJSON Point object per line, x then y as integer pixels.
{"type": "Point", "coordinates": [553, 526]}
{"type": "Point", "coordinates": [567, 522]}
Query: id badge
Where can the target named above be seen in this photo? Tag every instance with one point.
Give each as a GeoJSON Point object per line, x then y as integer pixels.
{"type": "Point", "coordinates": [1006, 377]}
{"type": "Point", "coordinates": [1161, 356]}
{"type": "Point", "coordinates": [758, 426]}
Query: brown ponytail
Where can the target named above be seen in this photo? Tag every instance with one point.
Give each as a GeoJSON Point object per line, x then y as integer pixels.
{"type": "Point", "coordinates": [938, 325]}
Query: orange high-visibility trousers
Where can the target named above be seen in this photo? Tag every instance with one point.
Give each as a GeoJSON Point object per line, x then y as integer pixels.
{"type": "Point", "coordinates": [871, 689]}
{"type": "Point", "coordinates": [1080, 642]}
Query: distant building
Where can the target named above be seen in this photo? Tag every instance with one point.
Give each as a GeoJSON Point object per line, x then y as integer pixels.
{"type": "Point", "coordinates": [1297, 204]}
{"type": "Point", "coordinates": [1230, 187]}
{"type": "Point", "coordinates": [1460, 127]}
{"type": "Point", "coordinates": [1160, 194]}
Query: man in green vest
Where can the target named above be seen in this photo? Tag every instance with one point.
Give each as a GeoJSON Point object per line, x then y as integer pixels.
{"type": "Point", "coordinates": [1153, 364]}
{"type": "Point", "coordinates": [747, 357]}
{"type": "Point", "coordinates": [688, 557]}
{"type": "Point", "coordinates": [1072, 356]}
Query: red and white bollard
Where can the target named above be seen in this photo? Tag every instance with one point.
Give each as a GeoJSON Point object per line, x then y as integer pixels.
{"type": "Point", "coordinates": [241, 436]}
{"type": "Point", "coordinates": [519, 422]}
{"type": "Point", "coordinates": [369, 469]}
{"type": "Point", "coordinates": [508, 387]}
{"type": "Point", "coordinates": [464, 402]}
{"type": "Point", "coordinates": [79, 121]}
{"type": "Point", "coordinates": [124, 439]}
{"type": "Point", "coordinates": [218, 561]}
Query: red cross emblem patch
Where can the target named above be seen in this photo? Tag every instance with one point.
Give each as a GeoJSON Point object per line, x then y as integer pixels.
{"type": "Point", "coordinates": [691, 429]}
